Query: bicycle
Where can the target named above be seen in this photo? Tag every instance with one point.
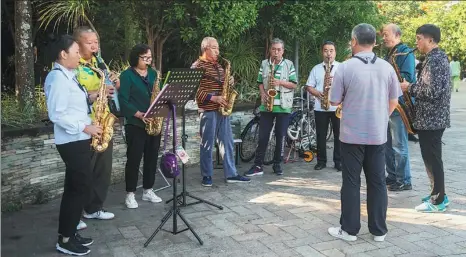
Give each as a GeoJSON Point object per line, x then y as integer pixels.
{"type": "Point", "coordinates": [301, 133]}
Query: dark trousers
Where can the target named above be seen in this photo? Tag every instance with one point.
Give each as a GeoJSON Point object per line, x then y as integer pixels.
{"type": "Point", "coordinates": [139, 143]}
{"type": "Point", "coordinates": [77, 157]}
{"type": "Point", "coordinates": [265, 127]}
{"type": "Point", "coordinates": [322, 122]}
{"type": "Point", "coordinates": [430, 142]}
{"type": "Point", "coordinates": [390, 158]}
{"type": "Point", "coordinates": [101, 176]}
{"type": "Point", "coordinates": [370, 158]}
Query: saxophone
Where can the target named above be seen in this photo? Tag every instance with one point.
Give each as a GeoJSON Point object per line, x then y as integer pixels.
{"type": "Point", "coordinates": [327, 83]}
{"type": "Point", "coordinates": [228, 93]}
{"type": "Point", "coordinates": [271, 92]}
{"type": "Point", "coordinates": [405, 109]}
{"type": "Point", "coordinates": [101, 116]}
{"type": "Point", "coordinates": [154, 125]}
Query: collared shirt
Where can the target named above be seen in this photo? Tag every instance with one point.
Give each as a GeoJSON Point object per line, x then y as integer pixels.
{"type": "Point", "coordinates": [67, 105]}
{"type": "Point", "coordinates": [89, 79]}
{"type": "Point", "coordinates": [316, 80]}
{"type": "Point", "coordinates": [432, 92]}
{"type": "Point", "coordinates": [365, 90]}
{"type": "Point", "coordinates": [277, 73]}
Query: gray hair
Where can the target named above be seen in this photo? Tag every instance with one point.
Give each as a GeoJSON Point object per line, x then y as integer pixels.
{"type": "Point", "coordinates": [277, 41]}
{"type": "Point", "coordinates": [206, 43]}
{"type": "Point", "coordinates": [77, 33]}
{"type": "Point", "coordinates": [395, 29]}
{"type": "Point", "coordinates": [364, 34]}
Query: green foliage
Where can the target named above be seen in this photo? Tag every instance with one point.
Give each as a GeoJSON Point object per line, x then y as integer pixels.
{"type": "Point", "coordinates": [14, 116]}
{"type": "Point", "coordinates": [448, 15]}
{"type": "Point", "coordinates": [73, 12]}
{"type": "Point", "coordinates": [226, 20]}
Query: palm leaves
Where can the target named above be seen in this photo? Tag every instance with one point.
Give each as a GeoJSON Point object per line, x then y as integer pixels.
{"type": "Point", "coordinates": [73, 12]}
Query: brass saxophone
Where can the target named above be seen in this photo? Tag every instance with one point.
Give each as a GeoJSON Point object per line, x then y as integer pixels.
{"type": "Point", "coordinates": [405, 109]}
{"type": "Point", "coordinates": [228, 93]}
{"type": "Point", "coordinates": [327, 83]}
{"type": "Point", "coordinates": [271, 92]}
{"type": "Point", "coordinates": [154, 125]}
{"type": "Point", "coordinates": [101, 116]}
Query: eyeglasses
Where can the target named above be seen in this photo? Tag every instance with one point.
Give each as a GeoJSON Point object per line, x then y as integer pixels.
{"type": "Point", "coordinates": [146, 58]}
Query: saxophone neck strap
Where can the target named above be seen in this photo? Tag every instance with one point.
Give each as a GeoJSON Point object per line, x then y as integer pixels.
{"type": "Point", "coordinates": [88, 100]}
{"type": "Point", "coordinates": [365, 60]}
{"type": "Point", "coordinates": [145, 79]}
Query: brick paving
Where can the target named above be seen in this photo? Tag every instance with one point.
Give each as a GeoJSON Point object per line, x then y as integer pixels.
{"type": "Point", "coordinates": [271, 216]}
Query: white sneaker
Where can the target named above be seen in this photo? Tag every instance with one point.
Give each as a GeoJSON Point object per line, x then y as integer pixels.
{"type": "Point", "coordinates": [339, 233]}
{"type": "Point", "coordinates": [101, 215]}
{"type": "Point", "coordinates": [130, 201]}
{"type": "Point", "coordinates": [379, 238]}
{"type": "Point", "coordinates": [150, 196]}
{"type": "Point", "coordinates": [81, 225]}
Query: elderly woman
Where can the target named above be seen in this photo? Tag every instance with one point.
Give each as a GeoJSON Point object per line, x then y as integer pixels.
{"type": "Point", "coordinates": [136, 85]}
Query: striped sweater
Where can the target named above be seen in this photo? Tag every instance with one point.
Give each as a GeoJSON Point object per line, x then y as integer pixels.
{"type": "Point", "coordinates": [211, 83]}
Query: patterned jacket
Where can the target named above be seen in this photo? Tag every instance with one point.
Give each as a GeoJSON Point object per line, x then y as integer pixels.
{"type": "Point", "coordinates": [432, 92]}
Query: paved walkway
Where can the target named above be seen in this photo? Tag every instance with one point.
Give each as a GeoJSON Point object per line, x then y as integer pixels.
{"type": "Point", "coordinates": [272, 216]}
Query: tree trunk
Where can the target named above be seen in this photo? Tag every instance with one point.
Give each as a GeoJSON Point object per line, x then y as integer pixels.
{"type": "Point", "coordinates": [24, 55]}
{"type": "Point", "coordinates": [159, 53]}
{"type": "Point", "coordinates": [150, 39]}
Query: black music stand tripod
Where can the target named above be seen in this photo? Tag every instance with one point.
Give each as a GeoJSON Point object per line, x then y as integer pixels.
{"type": "Point", "coordinates": [172, 95]}
{"type": "Point", "coordinates": [183, 76]}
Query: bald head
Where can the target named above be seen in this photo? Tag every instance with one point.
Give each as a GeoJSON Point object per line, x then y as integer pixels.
{"type": "Point", "coordinates": [87, 40]}
{"type": "Point", "coordinates": [391, 35]}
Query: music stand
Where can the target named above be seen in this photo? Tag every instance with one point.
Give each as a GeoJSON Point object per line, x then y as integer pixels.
{"type": "Point", "coordinates": [172, 95]}
{"type": "Point", "coordinates": [181, 76]}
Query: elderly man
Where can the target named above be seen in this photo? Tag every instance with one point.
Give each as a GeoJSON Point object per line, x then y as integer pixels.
{"type": "Point", "coordinates": [102, 169]}
{"type": "Point", "coordinates": [432, 107]}
{"type": "Point", "coordinates": [397, 152]}
{"type": "Point", "coordinates": [369, 89]}
{"type": "Point", "coordinates": [275, 73]}
{"type": "Point", "coordinates": [315, 86]}
{"type": "Point", "coordinates": [214, 126]}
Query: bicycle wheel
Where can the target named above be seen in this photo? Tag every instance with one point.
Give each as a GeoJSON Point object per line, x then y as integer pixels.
{"type": "Point", "coordinates": [270, 150]}
{"type": "Point", "coordinates": [250, 138]}
{"type": "Point", "coordinates": [329, 131]}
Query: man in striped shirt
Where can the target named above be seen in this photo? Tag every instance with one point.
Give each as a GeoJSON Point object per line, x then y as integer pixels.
{"type": "Point", "coordinates": [214, 126]}
{"type": "Point", "coordinates": [284, 82]}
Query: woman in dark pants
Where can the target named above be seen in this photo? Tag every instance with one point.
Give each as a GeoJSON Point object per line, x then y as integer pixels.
{"type": "Point", "coordinates": [136, 85]}
{"type": "Point", "coordinates": [68, 105]}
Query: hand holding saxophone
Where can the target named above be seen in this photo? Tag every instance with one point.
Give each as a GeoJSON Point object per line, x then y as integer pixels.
{"type": "Point", "coordinates": [140, 115]}
{"type": "Point", "coordinates": [110, 90]}
{"type": "Point", "coordinates": [93, 130]}
{"type": "Point", "coordinates": [404, 85]}
{"type": "Point", "coordinates": [219, 99]}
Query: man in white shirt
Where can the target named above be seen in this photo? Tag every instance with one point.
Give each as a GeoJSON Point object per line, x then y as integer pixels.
{"type": "Point", "coordinates": [315, 86]}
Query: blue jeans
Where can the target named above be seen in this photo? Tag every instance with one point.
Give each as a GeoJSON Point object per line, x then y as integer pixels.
{"type": "Point", "coordinates": [216, 128]}
{"type": "Point", "coordinates": [397, 152]}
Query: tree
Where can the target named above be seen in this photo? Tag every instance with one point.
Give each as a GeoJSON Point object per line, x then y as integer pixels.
{"type": "Point", "coordinates": [24, 55]}
{"type": "Point", "coordinates": [194, 19]}
{"type": "Point", "coordinates": [448, 15]}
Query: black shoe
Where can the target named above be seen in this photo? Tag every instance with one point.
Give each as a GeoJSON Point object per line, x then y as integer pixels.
{"type": "Point", "coordinates": [400, 187]}
{"type": "Point", "coordinates": [412, 138]}
{"type": "Point", "coordinates": [338, 166]}
{"type": "Point", "coordinates": [389, 182]}
{"type": "Point", "coordinates": [83, 240]}
{"type": "Point", "coordinates": [320, 166]}
{"type": "Point", "coordinates": [72, 247]}
{"type": "Point", "coordinates": [277, 169]}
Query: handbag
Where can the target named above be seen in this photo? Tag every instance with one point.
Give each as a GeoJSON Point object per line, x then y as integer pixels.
{"type": "Point", "coordinates": [169, 161]}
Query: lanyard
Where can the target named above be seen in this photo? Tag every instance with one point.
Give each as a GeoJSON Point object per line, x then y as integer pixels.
{"type": "Point", "coordinates": [88, 101]}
